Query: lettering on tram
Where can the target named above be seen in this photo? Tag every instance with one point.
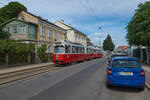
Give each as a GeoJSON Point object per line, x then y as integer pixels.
{"type": "Point", "coordinates": [67, 52]}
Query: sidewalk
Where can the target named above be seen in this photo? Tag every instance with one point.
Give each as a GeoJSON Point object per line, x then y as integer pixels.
{"type": "Point", "coordinates": [147, 71]}
{"type": "Point", "coordinates": [21, 68]}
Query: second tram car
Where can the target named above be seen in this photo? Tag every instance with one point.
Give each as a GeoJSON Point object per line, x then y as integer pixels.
{"type": "Point", "coordinates": [68, 52]}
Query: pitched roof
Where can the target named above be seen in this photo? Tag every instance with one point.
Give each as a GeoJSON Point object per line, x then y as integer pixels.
{"type": "Point", "coordinates": [123, 47]}
{"type": "Point", "coordinates": [45, 20]}
{"type": "Point", "coordinates": [15, 19]}
{"type": "Point", "coordinates": [72, 28]}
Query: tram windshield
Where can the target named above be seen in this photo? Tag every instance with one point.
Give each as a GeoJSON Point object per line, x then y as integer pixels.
{"type": "Point", "coordinates": [59, 49]}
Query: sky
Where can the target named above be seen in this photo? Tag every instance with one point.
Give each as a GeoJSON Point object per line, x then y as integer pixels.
{"type": "Point", "coordinates": [96, 18]}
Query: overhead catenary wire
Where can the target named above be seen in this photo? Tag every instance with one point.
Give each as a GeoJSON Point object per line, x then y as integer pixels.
{"type": "Point", "coordinates": [91, 9]}
{"type": "Point", "coordinates": [85, 7]}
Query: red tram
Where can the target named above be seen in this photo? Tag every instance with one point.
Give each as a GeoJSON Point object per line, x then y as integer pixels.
{"type": "Point", "coordinates": [67, 52]}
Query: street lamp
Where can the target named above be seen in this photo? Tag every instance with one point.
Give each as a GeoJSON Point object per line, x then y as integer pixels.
{"type": "Point", "coordinates": [99, 28]}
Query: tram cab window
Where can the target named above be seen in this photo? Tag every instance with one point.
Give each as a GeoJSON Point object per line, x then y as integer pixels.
{"type": "Point", "coordinates": [59, 49]}
{"type": "Point", "coordinates": [67, 49]}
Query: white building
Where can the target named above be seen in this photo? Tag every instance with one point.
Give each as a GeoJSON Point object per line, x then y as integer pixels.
{"type": "Point", "coordinates": [73, 35]}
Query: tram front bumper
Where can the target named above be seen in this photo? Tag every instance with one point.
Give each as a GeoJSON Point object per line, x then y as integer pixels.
{"type": "Point", "coordinates": [59, 62]}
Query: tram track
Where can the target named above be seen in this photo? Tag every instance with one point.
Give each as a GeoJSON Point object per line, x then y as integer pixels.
{"type": "Point", "coordinates": [10, 77]}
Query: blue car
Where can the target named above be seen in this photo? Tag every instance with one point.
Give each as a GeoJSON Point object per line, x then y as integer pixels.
{"type": "Point", "coordinates": [126, 72]}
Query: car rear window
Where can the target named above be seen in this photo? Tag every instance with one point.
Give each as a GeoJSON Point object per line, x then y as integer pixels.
{"type": "Point", "coordinates": [117, 56]}
{"type": "Point", "coordinates": [125, 63]}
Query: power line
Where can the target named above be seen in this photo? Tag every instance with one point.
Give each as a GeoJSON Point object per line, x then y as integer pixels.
{"type": "Point", "coordinates": [91, 9]}
{"type": "Point", "coordinates": [85, 8]}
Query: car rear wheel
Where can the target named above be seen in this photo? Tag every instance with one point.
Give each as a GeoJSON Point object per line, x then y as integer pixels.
{"type": "Point", "coordinates": [142, 88]}
{"type": "Point", "coordinates": [108, 85]}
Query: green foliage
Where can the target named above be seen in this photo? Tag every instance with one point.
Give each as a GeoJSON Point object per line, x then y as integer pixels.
{"type": "Point", "coordinates": [108, 44]}
{"type": "Point", "coordinates": [16, 48]}
{"type": "Point", "coordinates": [3, 34]}
{"type": "Point", "coordinates": [11, 11]}
{"type": "Point", "coordinates": [41, 52]}
{"type": "Point", "coordinates": [139, 26]}
{"type": "Point", "coordinates": [7, 12]}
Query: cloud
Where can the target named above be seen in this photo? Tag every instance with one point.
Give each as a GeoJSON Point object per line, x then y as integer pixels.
{"type": "Point", "coordinates": [88, 15]}
{"type": "Point", "coordinates": [82, 7]}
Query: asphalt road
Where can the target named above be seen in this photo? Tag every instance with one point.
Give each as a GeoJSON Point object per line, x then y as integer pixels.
{"type": "Point", "coordinates": [82, 81]}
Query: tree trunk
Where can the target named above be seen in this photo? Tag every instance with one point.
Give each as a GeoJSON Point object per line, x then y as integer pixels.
{"type": "Point", "coordinates": [148, 55]}
{"type": "Point", "coordinates": [141, 55]}
{"type": "Point", "coordinates": [7, 59]}
{"type": "Point", "coordinates": [29, 58]}
{"type": "Point", "coordinates": [36, 54]}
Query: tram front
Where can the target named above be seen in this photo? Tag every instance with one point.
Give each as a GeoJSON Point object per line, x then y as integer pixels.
{"type": "Point", "coordinates": [58, 56]}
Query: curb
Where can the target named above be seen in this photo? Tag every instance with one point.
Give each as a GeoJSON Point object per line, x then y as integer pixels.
{"type": "Point", "coordinates": [147, 86]}
{"type": "Point", "coordinates": [25, 69]}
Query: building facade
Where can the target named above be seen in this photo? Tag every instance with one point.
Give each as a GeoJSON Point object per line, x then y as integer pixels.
{"type": "Point", "coordinates": [21, 30]}
{"type": "Point", "coordinates": [34, 28]}
{"type": "Point", "coordinates": [73, 35]}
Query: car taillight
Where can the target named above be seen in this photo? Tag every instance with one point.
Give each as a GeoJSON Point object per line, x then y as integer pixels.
{"type": "Point", "coordinates": [142, 73]}
{"type": "Point", "coordinates": [109, 72]}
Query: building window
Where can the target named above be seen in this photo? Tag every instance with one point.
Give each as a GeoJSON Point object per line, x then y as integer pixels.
{"type": "Point", "coordinates": [59, 35]}
{"type": "Point", "coordinates": [49, 48]}
{"type": "Point", "coordinates": [32, 29]}
{"type": "Point", "coordinates": [7, 29]}
{"type": "Point", "coordinates": [49, 33]}
{"type": "Point", "coordinates": [42, 31]}
{"type": "Point", "coordinates": [15, 28]}
{"type": "Point", "coordinates": [63, 36]}
{"type": "Point", "coordinates": [22, 29]}
{"type": "Point", "coordinates": [55, 35]}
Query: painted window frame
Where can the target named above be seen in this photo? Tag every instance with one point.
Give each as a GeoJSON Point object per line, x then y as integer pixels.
{"type": "Point", "coordinates": [49, 33]}
{"type": "Point", "coordinates": [22, 29]}
{"type": "Point", "coordinates": [60, 36]}
{"type": "Point", "coordinates": [55, 34]}
{"type": "Point", "coordinates": [15, 31]}
{"type": "Point", "coordinates": [42, 31]}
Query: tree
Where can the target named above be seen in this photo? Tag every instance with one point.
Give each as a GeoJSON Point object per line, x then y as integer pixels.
{"type": "Point", "coordinates": [42, 53]}
{"type": "Point", "coordinates": [7, 12]}
{"type": "Point", "coordinates": [11, 11]}
{"type": "Point", "coordinates": [108, 45]}
{"type": "Point", "coordinates": [139, 27]}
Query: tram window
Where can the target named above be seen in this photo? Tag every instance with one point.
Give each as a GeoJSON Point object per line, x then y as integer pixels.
{"type": "Point", "coordinates": [59, 49]}
{"type": "Point", "coordinates": [77, 49]}
{"type": "Point", "coordinates": [73, 49]}
{"type": "Point", "coordinates": [82, 50]}
{"type": "Point", "coordinates": [67, 49]}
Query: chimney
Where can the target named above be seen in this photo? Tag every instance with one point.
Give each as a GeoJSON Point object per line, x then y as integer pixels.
{"type": "Point", "coordinates": [39, 16]}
